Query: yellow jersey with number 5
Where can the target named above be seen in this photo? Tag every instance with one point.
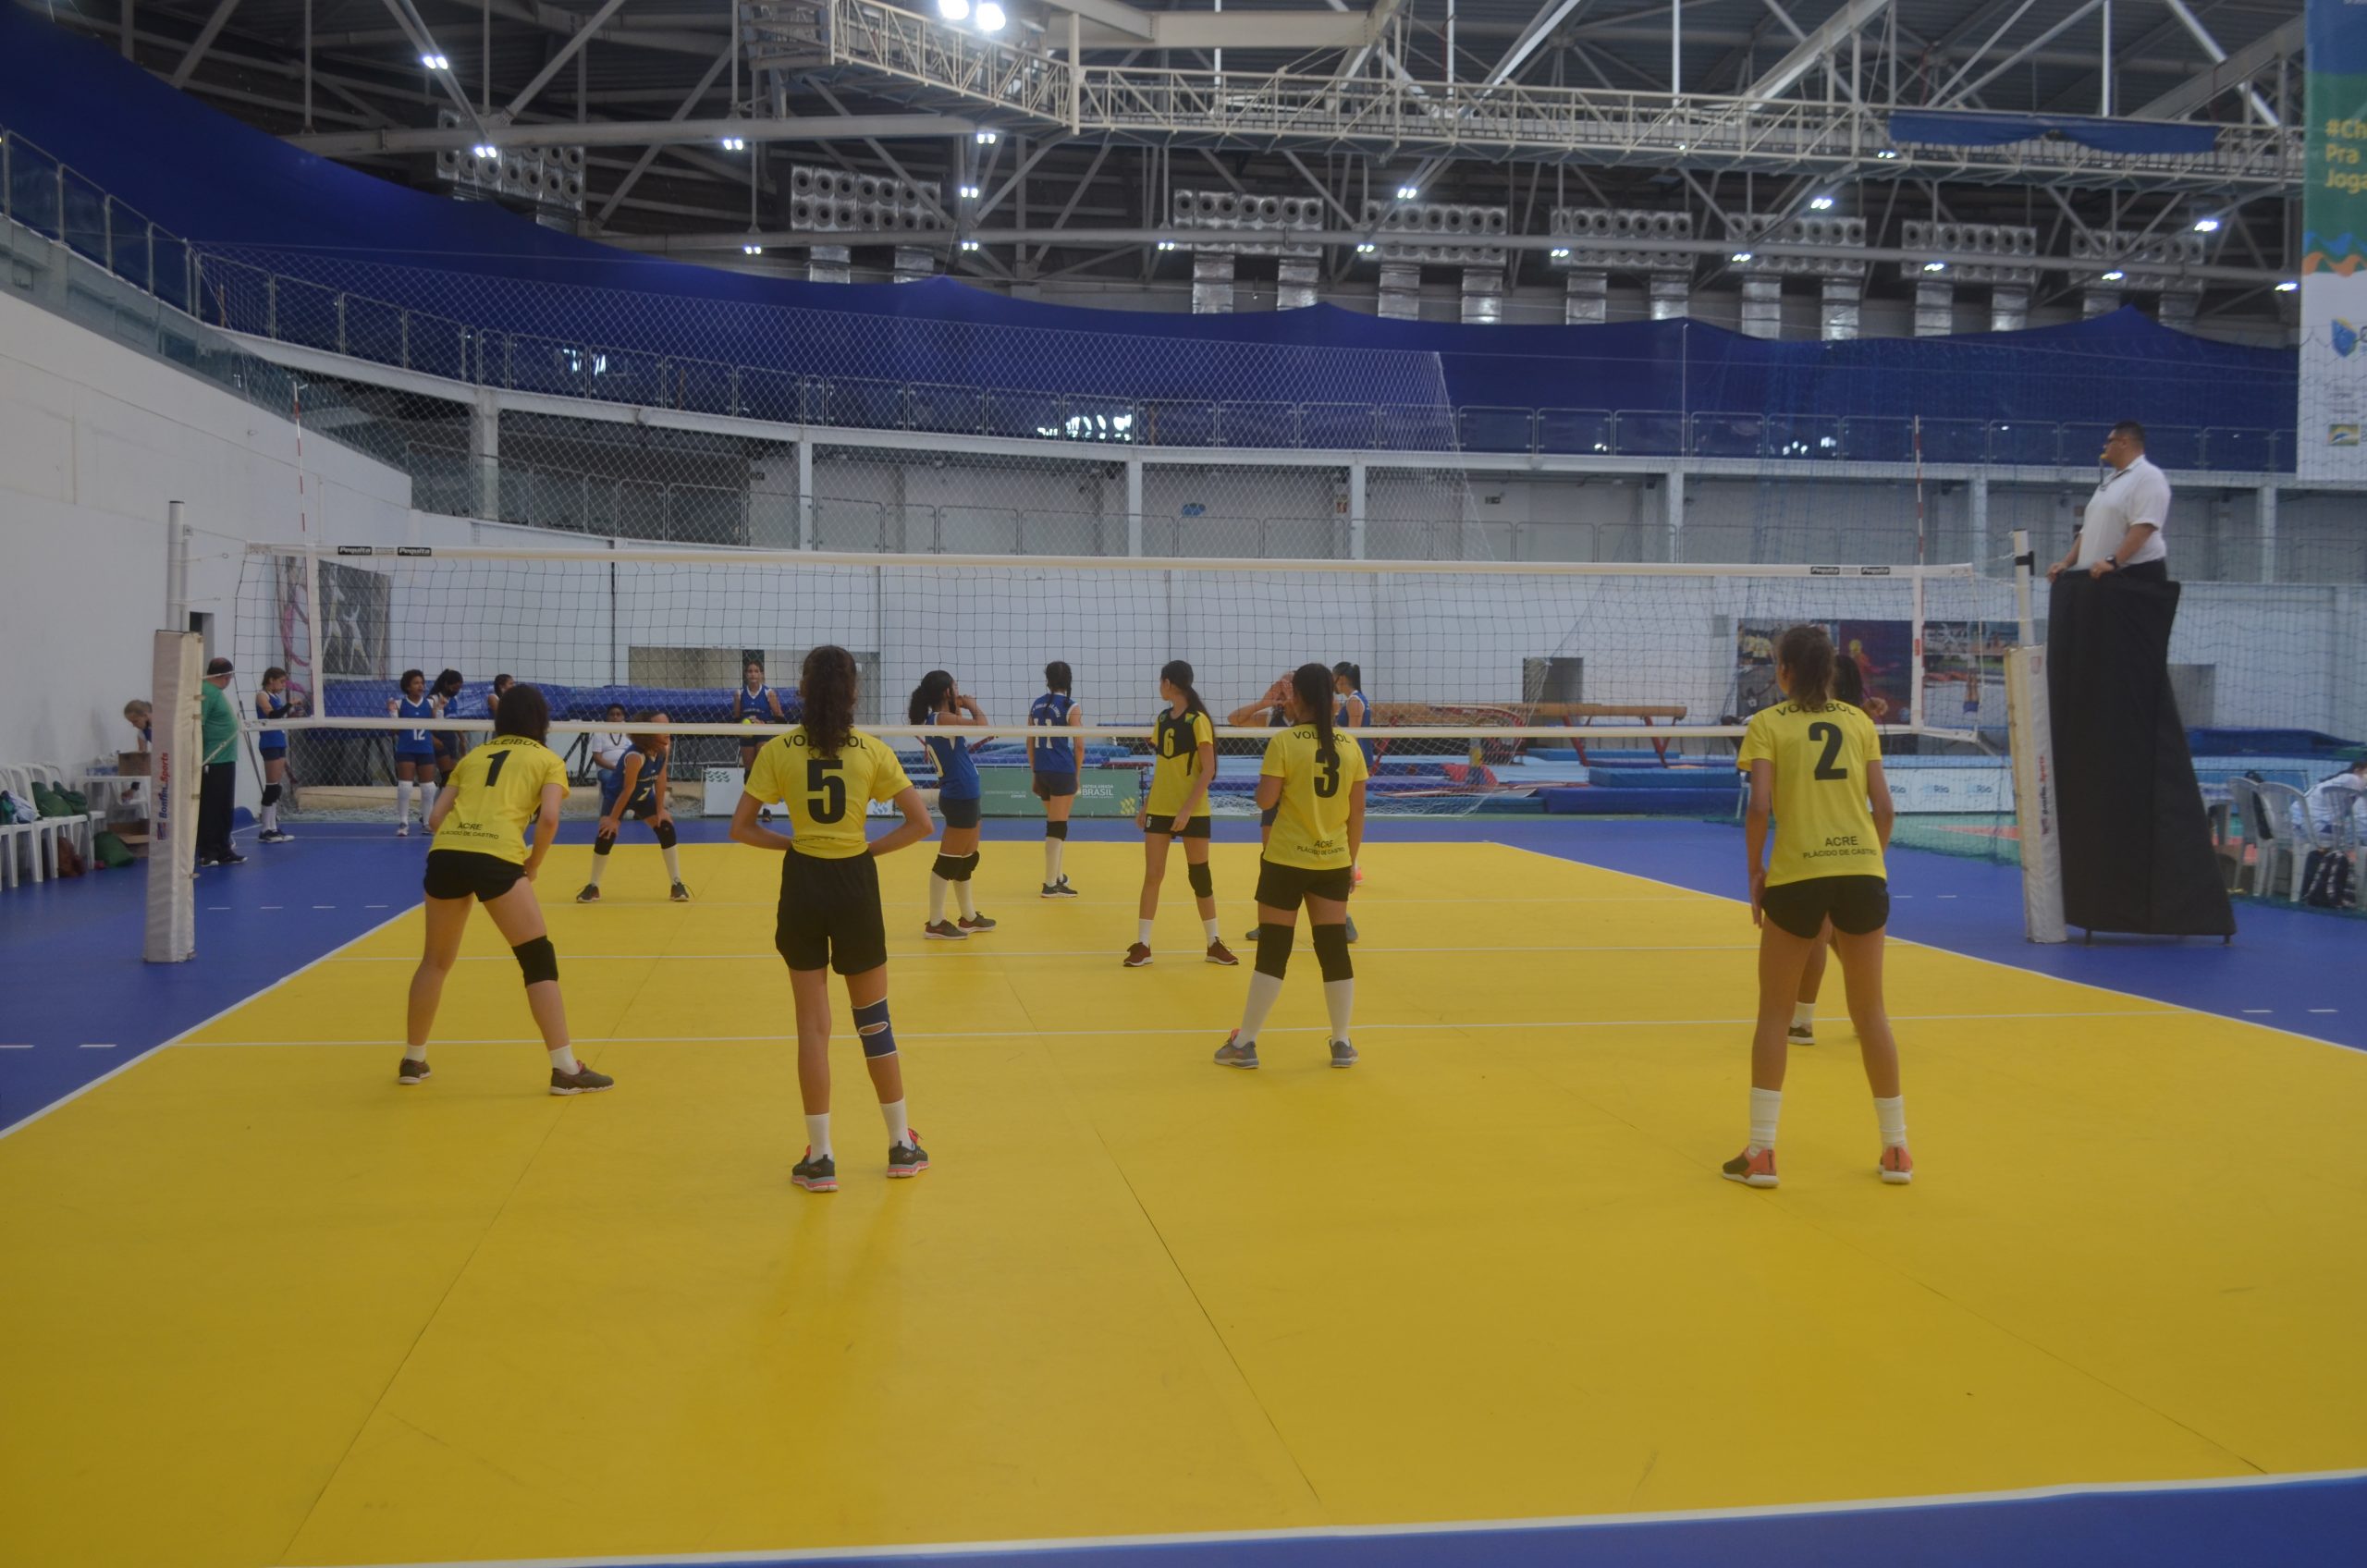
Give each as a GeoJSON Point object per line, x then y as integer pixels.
{"type": "Point", "coordinates": [1824, 825]}
{"type": "Point", "coordinates": [1311, 818]}
{"type": "Point", "coordinates": [497, 792]}
{"type": "Point", "coordinates": [825, 796]}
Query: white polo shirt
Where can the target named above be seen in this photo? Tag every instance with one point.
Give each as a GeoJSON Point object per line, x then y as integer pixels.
{"type": "Point", "coordinates": [608, 749]}
{"type": "Point", "coordinates": [2139, 493]}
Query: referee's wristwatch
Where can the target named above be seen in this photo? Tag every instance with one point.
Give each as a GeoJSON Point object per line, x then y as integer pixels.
{"type": "Point", "coordinates": [2112, 563]}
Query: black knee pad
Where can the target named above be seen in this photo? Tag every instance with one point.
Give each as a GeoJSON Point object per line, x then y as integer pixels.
{"type": "Point", "coordinates": [947, 867]}
{"type": "Point", "coordinates": [966, 868]}
{"type": "Point", "coordinates": [1204, 882]}
{"type": "Point", "coordinates": [665, 831]}
{"type": "Point", "coordinates": [1056, 830]}
{"type": "Point", "coordinates": [602, 843]}
{"type": "Point", "coordinates": [1274, 949]}
{"type": "Point", "coordinates": [271, 794]}
{"type": "Point", "coordinates": [1331, 952]}
{"type": "Point", "coordinates": [537, 960]}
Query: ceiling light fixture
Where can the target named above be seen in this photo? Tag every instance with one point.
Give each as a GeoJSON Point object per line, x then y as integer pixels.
{"type": "Point", "coordinates": [2287, 286]}
{"type": "Point", "coordinates": [991, 17]}
{"type": "Point", "coordinates": [968, 192]}
{"type": "Point", "coordinates": [969, 244]}
{"type": "Point", "coordinates": [1741, 256]}
{"type": "Point", "coordinates": [953, 10]}
{"type": "Point", "coordinates": [437, 62]}
{"type": "Point", "coordinates": [988, 138]}
{"type": "Point", "coordinates": [1935, 266]}
{"type": "Point", "coordinates": [2115, 275]}
{"type": "Point", "coordinates": [1820, 203]}
{"type": "Point", "coordinates": [735, 143]}
{"type": "Point", "coordinates": [1408, 193]}
{"type": "Point", "coordinates": [1365, 248]}
{"type": "Point", "coordinates": [752, 249]}
{"type": "Point", "coordinates": [2206, 225]}
{"type": "Point", "coordinates": [1560, 253]}
{"type": "Point", "coordinates": [485, 150]}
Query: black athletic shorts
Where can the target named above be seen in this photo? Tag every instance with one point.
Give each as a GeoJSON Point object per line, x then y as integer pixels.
{"type": "Point", "coordinates": [1286, 887]}
{"type": "Point", "coordinates": [1050, 785]}
{"type": "Point", "coordinates": [1196, 828]}
{"type": "Point", "coordinates": [959, 813]}
{"type": "Point", "coordinates": [829, 914]}
{"type": "Point", "coordinates": [1854, 905]}
{"type": "Point", "coordinates": [461, 874]}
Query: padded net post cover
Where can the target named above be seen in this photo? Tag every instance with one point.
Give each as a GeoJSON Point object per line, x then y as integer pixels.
{"type": "Point", "coordinates": [2137, 854]}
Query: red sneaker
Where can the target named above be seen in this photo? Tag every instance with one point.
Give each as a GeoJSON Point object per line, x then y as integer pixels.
{"type": "Point", "coordinates": [1751, 1169]}
{"type": "Point", "coordinates": [1138, 955]}
{"type": "Point", "coordinates": [1220, 953]}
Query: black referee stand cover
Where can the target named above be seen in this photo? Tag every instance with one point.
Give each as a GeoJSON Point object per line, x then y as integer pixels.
{"type": "Point", "coordinates": [2137, 854]}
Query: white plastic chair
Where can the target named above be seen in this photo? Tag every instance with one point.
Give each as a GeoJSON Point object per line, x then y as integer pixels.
{"type": "Point", "coordinates": [80, 829]}
{"type": "Point", "coordinates": [39, 834]}
{"type": "Point", "coordinates": [2278, 856]}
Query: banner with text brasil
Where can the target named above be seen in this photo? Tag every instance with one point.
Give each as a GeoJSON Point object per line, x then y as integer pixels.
{"type": "Point", "coordinates": [2334, 246]}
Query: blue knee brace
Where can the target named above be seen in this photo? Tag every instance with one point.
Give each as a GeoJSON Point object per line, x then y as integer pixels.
{"type": "Point", "coordinates": [871, 1025]}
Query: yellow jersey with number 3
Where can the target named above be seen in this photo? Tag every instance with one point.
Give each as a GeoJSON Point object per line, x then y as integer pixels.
{"type": "Point", "coordinates": [1311, 818]}
{"type": "Point", "coordinates": [497, 792]}
{"type": "Point", "coordinates": [1823, 824]}
{"type": "Point", "coordinates": [1175, 742]}
{"type": "Point", "coordinates": [825, 796]}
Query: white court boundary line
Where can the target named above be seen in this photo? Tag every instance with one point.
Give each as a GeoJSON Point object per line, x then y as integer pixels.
{"type": "Point", "coordinates": [1953, 953]}
{"type": "Point", "coordinates": [1314, 1533]}
{"type": "Point", "coordinates": [131, 1062]}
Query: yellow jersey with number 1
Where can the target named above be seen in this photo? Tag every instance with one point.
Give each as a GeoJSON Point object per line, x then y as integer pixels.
{"type": "Point", "coordinates": [1823, 824]}
{"type": "Point", "coordinates": [497, 792]}
{"type": "Point", "coordinates": [826, 796]}
{"type": "Point", "coordinates": [1311, 818]}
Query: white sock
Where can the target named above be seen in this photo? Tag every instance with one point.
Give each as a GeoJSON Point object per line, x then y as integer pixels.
{"type": "Point", "coordinates": [426, 802]}
{"type": "Point", "coordinates": [898, 1132]}
{"type": "Point", "coordinates": [271, 817]}
{"type": "Point", "coordinates": [1803, 1014]}
{"type": "Point", "coordinates": [937, 887]}
{"type": "Point", "coordinates": [1142, 932]}
{"type": "Point", "coordinates": [1339, 1000]}
{"type": "Point", "coordinates": [599, 867]}
{"type": "Point", "coordinates": [817, 1136]}
{"type": "Point", "coordinates": [1892, 1114]}
{"type": "Point", "coordinates": [1263, 989]}
{"type": "Point", "coordinates": [415, 1053]}
{"type": "Point", "coordinates": [563, 1058]}
{"type": "Point", "coordinates": [1211, 927]}
{"type": "Point", "coordinates": [403, 801]}
{"type": "Point", "coordinates": [1766, 1105]}
{"type": "Point", "coordinates": [968, 900]}
{"type": "Point", "coordinates": [1053, 862]}
{"type": "Point", "coordinates": [673, 861]}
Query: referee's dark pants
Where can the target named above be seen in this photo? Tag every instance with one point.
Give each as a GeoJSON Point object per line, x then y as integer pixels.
{"type": "Point", "coordinates": [218, 789]}
{"type": "Point", "coordinates": [2145, 571]}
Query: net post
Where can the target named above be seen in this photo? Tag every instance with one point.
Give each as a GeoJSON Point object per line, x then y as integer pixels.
{"type": "Point", "coordinates": [2029, 729]}
{"type": "Point", "coordinates": [317, 698]}
{"type": "Point", "coordinates": [2022, 586]}
{"type": "Point", "coordinates": [1356, 510]}
{"type": "Point", "coordinates": [1134, 506]}
{"type": "Point", "coordinates": [176, 568]}
{"type": "Point", "coordinates": [1915, 699]}
{"type": "Point", "coordinates": [804, 489]}
{"type": "Point", "coordinates": [169, 933]}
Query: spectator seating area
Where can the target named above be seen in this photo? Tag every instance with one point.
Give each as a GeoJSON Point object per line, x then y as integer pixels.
{"type": "Point", "coordinates": [28, 851]}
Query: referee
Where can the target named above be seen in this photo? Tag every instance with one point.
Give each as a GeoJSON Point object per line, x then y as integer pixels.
{"type": "Point", "coordinates": [2121, 533]}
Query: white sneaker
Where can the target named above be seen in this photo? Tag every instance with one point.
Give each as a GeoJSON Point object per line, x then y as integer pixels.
{"type": "Point", "coordinates": [403, 829]}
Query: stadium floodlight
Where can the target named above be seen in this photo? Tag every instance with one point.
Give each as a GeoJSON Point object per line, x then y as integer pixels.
{"type": "Point", "coordinates": [1820, 203]}
{"type": "Point", "coordinates": [953, 10]}
{"type": "Point", "coordinates": [735, 143]}
{"type": "Point", "coordinates": [752, 249]}
{"type": "Point", "coordinates": [2115, 275]}
{"type": "Point", "coordinates": [988, 138]}
{"type": "Point", "coordinates": [1167, 244]}
{"type": "Point", "coordinates": [2206, 225]}
{"type": "Point", "coordinates": [1887, 153]}
{"type": "Point", "coordinates": [437, 62]}
{"type": "Point", "coordinates": [968, 192]}
{"type": "Point", "coordinates": [2287, 286]}
{"type": "Point", "coordinates": [1408, 193]}
{"type": "Point", "coordinates": [969, 244]}
{"type": "Point", "coordinates": [1560, 253]}
{"type": "Point", "coordinates": [1365, 248]}
{"type": "Point", "coordinates": [485, 150]}
{"type": "Point", "coordinates": [991, 17]}
{"type": "Point", "coordinates": [1740, 256]}
{"type": "Point", "coordinates": [1935, 266]}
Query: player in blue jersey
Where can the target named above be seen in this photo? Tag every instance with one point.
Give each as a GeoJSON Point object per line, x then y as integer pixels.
{"type": "Point", "coordinates": [754, 704]}
{"type": "Point", "coordinates": [938, 703]}
{"type": "Point", "coordinates": [1348, 682]}
{"type": "Point", "coordinates": [273, 702]}
{"type": "Point", "coordinates": [415, 752]}
{"type": "Point", "coordinates": [637, 787]}
{"type": "Point", "coordinates": [1056, 764]}
{"type": "Point", "coordinates": [449, 746]}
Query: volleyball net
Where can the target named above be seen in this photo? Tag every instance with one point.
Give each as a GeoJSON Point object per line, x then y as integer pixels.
{"type": "Point", "coordinates": [1493, 686]}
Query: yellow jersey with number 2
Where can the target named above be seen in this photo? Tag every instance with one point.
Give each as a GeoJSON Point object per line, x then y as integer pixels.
{"type": "Point", "coordinates": [497, 792]}
{"type": "Point", "coordinates": [825, 796]}
{"type": "Point", "coordinates": [1823, 824]}
{"type": "Point", "coordinates": [1311, 818]}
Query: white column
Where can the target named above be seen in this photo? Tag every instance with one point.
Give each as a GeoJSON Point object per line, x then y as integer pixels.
{"type": "Point", "coordinates": [1977, 519]}
{"type": "Point", "coordinates": [2267, 494]}
{"type": "Point", "coordinates": [485, 451]}
{"type": "Point", "coordinates": [1134, 506]}
{"type": "Point", "coordinates": [1357, 510]}
{"type": "Point", "coordinates": [1672, 496]}
{"type": "Point", "coordinates": [804, 493]}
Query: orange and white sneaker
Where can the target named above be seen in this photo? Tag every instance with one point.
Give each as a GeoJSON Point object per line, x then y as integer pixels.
{"type": "Point", "coordinates": [1897, 1167]}
{"type": "Point", "coordinates": [1753, 1169]}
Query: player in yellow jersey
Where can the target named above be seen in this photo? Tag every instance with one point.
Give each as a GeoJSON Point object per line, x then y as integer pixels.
{"type": "Point", "coordinates": [1816, 767]}
{"type": "Point", "coordinates": [1313, 781]}
{"type": "Point", "coordinates": [480, 852]}
{"type": "Point", "coordinates": [1183, 742]}
{"type": "Point", "coordinates": [826, 772]}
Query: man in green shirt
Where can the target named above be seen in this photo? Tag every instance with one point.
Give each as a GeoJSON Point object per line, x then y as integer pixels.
{"type": "Point", "coordinates": [218, 783]}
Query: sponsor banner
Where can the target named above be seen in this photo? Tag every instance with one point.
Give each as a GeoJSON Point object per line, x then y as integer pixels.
{"type": "Point", "coordinates": [1100, 791]}
{"type": "Point", "coordinates": [2334, 245]}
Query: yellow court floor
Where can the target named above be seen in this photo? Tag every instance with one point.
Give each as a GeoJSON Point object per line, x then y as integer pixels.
{"type": "Point", "coordinates": [260, 1305]}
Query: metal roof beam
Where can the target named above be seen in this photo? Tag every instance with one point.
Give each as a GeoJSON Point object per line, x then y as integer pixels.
{"type": "Point", "coordinates": [567, 51]}
{"type": "Point", "coordinates": [2228, 71]}
{"type": "Point", "coordinates": [649, 153]}
{"type": "Point", "coordinates": [633, 133]}
{"type": "Point", "coordinates": [206, 37]}
{"type": "Point", "coordinates": [1835, 30]}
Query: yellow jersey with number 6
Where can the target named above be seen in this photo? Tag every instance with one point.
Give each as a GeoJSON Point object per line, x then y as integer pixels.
{"type": "Point", "coordinates": [1821, 758]}
{"type": "Point", "coordinates": [825, 796]}
{"type": "Point", "coordinates": [1311, 818]}
{"type": "Point", "coordinates": [1177, 741]}
{"type": "Point", "coordinates": [497, 792]}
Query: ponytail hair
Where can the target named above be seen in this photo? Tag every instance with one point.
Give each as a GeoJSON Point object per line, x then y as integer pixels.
{"type": "Point", "coordinates": [1178, 673]}
{"type": "Point", "coordinates": [825, 686]}
{"type": "Point", "coordinates": [1059, 678]}
{"type": "Point", "coordinates": [1311, 683]}
{"type": "Point", "coordinates": [1352, 673]}
{"type": "Point", "coordinates": [1807, 651]}
{"type": "Point", "coordinates": [1848, 683]}
{"type": "Point", "coordinates": [928, 696]}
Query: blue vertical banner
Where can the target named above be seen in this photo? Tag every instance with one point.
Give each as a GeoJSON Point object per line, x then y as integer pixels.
{"type": "Point", "coordinates": [2333, 244]}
